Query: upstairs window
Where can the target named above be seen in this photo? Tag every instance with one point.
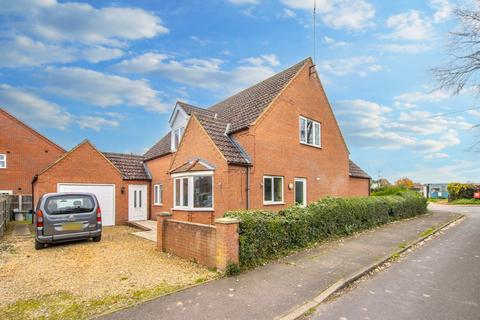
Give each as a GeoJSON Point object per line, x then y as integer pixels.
{"type": "Point", "coordinates": [310, 132]}
{"type": "Point", "coordinates": [177, 136]}
{"type": "Point", "coordinates": [3, 161]}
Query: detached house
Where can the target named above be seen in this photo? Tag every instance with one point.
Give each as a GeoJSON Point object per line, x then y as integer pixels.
{"type": "Point", "coordinates": [267, 147]}
{"type": "Point", "coordinates": [23, 153]}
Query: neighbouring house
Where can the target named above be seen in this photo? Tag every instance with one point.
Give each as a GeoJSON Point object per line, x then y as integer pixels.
{"type": "Point", "coordinates": [435, 190]}
{"type": "Point", "coordinates": [24, 152]}
{"type": "Point", "coordinates": [267, 147]}
{"type": "Point", "coordinates": [121, 182]}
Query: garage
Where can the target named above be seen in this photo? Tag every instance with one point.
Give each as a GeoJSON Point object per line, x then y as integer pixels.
{"type": "Point", "coordinates": [105, 194]}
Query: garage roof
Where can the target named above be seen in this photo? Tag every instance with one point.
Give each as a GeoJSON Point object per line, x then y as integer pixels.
{"type": "Point", "coordinates": [130, 165]}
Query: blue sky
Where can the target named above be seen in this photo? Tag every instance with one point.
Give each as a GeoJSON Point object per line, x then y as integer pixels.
{"type": "Point", "coordinates": [111, 71]}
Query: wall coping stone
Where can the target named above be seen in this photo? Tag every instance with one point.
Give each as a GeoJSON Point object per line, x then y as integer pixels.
{"type": "Point", "coordinates": [227, 220]}
{"type": "Point", "coordinates": [164, 214]}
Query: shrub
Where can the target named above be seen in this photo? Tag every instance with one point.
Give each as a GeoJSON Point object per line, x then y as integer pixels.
{"type": "Point", "coordinates": [461, 191]}
{"type": "Point", "coordinates": [265, 235]}
{"type": "Point", "coordinates": [389, 190]}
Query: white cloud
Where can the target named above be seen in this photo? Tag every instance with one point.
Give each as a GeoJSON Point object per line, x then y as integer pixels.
{"type": "Point", "coordinates": [102, 89]}
{"type": "Point", "coordinates": [433, 156]}
{"type": "Point", "coordinates": [409, 26]}
{"type": "Point", "coordinates": [405, 48]}
{"type": "Point", "coordinates": [361, 66]}
{"type": "Point", "coordinates": [287, 13]}
{"type": "Point", "coordinates": [475, 112]}
{"type": "Point", "coordinates": [32, 108]}
{"type": "Point", "coordinates": [456, 170]}
{"type": "Point", "coordinates": [339, 14]}
{"type": "Point", "coordinates": [203, 73]}
{"type": "Point", "coordinates": [202, 42]}
{"type": "Point", "coordinates": [368, 124]}
{"type": "Point", "coordinates": [96, 123]}
{"type": "Point", "coordinates": [409, 100]}
{"type": "Point", "coordinates": [332, 43]}
{"type": "Point", "coordinates": [241, 2]}
{"type": "Point", "coordinates": [443, 10]}
{"type": "Point", "coordinates": [46, 31]}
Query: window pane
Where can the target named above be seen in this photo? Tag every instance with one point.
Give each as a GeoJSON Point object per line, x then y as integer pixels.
{"type": "Point", "coordinates": [317, 134]}
{"type": "Point", "coordinates": [160, 194]}
{"type": "Point", "coordinates": [185, 192]}
{"type": "Point", "coordinates": [302, 130]}
{"type": "Point", "coordinates": [155, 193]}
{"type": "Point", "coordinates": [176, 139]}
{"type": "Point", "coordinates": [309, 132]}
{"type": "Point", "coordinates": [202, 192]}
{"type": "Point", "coordinates": [267, 189]}
{"type": "Point", "coordinates": [299, 197]}
{"type": "Point", "coordinates": [278, 189]}
{"type": "Point", "coordinates": [139, 198]}
{"type": "Point", "coordinates": [134, 198]}
{"type": "Point", "coordinates": [177, 192]}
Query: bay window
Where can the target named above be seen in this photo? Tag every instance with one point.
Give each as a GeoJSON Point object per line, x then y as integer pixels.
{"type": "Point", "coordinates": [272, 190]}
{"type": "Point", "coordinates": [310, 132]}
{"type": "Point", "coordinates": [193, 191]}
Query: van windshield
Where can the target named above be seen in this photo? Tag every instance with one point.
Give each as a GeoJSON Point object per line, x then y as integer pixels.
{"type": "Point", "coordinates": [68, 204]}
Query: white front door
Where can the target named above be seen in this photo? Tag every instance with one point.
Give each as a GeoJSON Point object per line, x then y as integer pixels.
{"type": "Point", "coordinates": [301, 191]}
{"type": "Point", "coordinates": [137, 202]}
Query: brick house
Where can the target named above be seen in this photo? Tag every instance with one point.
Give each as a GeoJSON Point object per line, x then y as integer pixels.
{"type": "Point", "coordinates": [23, 153]}
{"type": "Point", "coordinates": [121, 182]}
{"type": "Point", "coordinates": [267, 147]}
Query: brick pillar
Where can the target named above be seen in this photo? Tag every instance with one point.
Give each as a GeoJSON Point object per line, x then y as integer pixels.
{"type": "Point", "coordinates": [226, 242]}
{"type": "Point", "coordinates": [161, 225]}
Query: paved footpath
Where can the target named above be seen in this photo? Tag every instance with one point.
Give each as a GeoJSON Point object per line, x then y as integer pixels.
{"type": "Point", "coordinates": [272, 290]}
{"type": "Point", "coordinates": [440, 280]}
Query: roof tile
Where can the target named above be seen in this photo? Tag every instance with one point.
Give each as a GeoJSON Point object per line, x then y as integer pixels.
{"type": "Point", "coordinates": [131, 166]}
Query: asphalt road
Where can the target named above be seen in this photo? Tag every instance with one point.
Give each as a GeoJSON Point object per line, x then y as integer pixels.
{"type": "Point", "coordinates": [439, 280]}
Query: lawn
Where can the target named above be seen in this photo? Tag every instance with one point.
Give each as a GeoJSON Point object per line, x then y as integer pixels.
{"type": "Point", "coordinates": [83, 279]}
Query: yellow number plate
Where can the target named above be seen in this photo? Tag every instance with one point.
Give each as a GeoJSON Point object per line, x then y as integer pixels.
{"type": "Point", "coordinates": [72, 226]}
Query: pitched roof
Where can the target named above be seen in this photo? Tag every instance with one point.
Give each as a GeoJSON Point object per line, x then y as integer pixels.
{"type": "Point", "coordinates": [160, 148]}
{"type": "Point", "coordinates": [35, 132]}
{"type": "Point", "coordinates": [193, 165]}
{"type": "Point", "coordinates": [131, 166]}
{"type": "Point", "coordinates": [243, 108]}
{"type": "Point", "coordinates": [232, 114]}
{"type": "Point", "coordinates": [356, 171]}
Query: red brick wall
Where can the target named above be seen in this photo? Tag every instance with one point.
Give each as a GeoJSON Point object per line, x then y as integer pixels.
{"type": "Point", "coordinates": [212, 246]}
{"type": "Point", "coordinates": [159, 170]}
{"type": "Point", "coordinates": [359, 187]}
{"type": "Point", "coordinates": [86, 165]}
{"type": "Point", "coordinates": [27, 154]}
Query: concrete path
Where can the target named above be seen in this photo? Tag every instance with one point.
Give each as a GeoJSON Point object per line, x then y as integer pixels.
{"type": "Point", "coordinates": [21, 230]}
{"type": "Point", "coordinates": [149, 227]}
{"type": "Point", "coordinates": [273, 290]}
{"type": "Point", "coordinates": [440, 280]}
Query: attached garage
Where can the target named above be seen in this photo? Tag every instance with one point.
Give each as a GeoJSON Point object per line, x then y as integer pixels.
{"type": "Point", "coordinates": [120, 181]}
{"type": "Point", "coordinates": [105, 194]}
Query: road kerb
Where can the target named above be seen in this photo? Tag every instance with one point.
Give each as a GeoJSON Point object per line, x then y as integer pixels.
{"type": "Point", "coordinates": [342, 283]}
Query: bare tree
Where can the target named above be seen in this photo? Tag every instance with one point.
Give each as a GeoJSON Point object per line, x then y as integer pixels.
{"type": "Point", "coordinates": [464, 51]}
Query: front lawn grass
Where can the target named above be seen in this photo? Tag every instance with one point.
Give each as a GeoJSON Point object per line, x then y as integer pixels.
{"type": "Point", "coordinates": [465, 201]}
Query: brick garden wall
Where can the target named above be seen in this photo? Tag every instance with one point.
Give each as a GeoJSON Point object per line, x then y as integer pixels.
{"type": "Point", "coordinates": [210, 245]}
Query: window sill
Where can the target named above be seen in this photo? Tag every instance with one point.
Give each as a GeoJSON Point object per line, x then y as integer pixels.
{"type": "Point", "coordinates": [158, 204]}
{"type": "Point", "coordinates": [311, 145]}
{"type": "Point", "coordinates": [193, 209]}
{"type": "Point", "coordinates": [273, 203]}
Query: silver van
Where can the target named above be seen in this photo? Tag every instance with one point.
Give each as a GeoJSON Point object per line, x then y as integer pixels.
{"type": "Point", "coordinates": [62, 217]}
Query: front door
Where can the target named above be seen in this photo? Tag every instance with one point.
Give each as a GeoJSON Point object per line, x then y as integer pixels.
{"type": "Point", "coordinates": [301, 191]}
{"type": "Point", "coordinates": [137, 202]}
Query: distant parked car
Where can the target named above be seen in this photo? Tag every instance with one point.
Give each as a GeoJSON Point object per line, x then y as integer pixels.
{"type": "Point", "coordinates": [62, 217]}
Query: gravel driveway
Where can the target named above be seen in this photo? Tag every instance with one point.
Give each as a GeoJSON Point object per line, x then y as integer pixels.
{"type": "Point", "coordinates": [123, 266]}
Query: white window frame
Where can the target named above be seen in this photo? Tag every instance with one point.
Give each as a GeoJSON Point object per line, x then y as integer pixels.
{"type": "Point", "coordinates": [317, 127]}
{"type": "Point", "coordinates": [190, 176]}
{"type": "Point", "coordinates": [4, 156]}
{"type": "Point", "coordinates": [304, 180]}
{"type": "Point", "coordinates": [273, 202]}
{"type": "Point", "coordinates": [158, 194]}
{"type": "Point", "coordinates": [180, 131]}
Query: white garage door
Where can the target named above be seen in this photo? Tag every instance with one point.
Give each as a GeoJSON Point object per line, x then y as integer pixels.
{"type": "Point", "coordinates": [105, 194]}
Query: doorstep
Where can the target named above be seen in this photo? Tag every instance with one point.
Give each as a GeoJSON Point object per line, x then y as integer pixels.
{"type": "Point", "coordinates": [149, 228]}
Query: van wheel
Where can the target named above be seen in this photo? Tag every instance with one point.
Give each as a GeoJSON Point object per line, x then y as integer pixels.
{"type": "Point", "coordinates": [39, 245]}
{"type": "Point", "coordinates": [97, 238]}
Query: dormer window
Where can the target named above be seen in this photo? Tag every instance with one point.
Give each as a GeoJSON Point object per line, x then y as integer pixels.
{"type": "Point", "coordinates": [177, 137]}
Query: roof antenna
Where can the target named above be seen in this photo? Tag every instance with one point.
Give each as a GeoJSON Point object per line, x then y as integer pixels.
{"type": "Point", "coordinates": [314, 31]}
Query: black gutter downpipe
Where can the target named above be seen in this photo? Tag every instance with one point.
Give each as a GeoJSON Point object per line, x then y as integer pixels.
{"type": "Point", "coordinates": [35, 178]}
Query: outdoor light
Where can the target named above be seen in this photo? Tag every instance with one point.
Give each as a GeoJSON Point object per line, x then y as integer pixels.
{"type": "Point", "coordinates": [122, 190]}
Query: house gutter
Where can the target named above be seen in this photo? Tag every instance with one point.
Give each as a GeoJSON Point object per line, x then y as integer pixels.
{"type": "Point", "coordinates": [35, 178]}
{"type": "Point", "coordinates": [248, 187]}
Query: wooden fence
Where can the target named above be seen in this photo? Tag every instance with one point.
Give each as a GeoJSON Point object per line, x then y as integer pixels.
{"type": "Point", "coordinates": [5, 213]}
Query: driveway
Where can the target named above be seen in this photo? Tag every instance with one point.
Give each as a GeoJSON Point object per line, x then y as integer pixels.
{"type": "Point", "coordinates": [80, 279]}
{"type": "Point", "coordinates": [440, 280]}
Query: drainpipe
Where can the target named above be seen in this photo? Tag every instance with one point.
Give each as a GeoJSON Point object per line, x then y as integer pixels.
{"type": "Point", "coordinates": [248, 187]}
{"type": "Point", "coordinates": [35, 178]}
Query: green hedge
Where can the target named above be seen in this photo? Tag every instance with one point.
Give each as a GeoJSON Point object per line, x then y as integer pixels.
{"type": "Point", "coordinates": [265, 235]}
{"type": "Point", "coordinates": [461, 190]}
